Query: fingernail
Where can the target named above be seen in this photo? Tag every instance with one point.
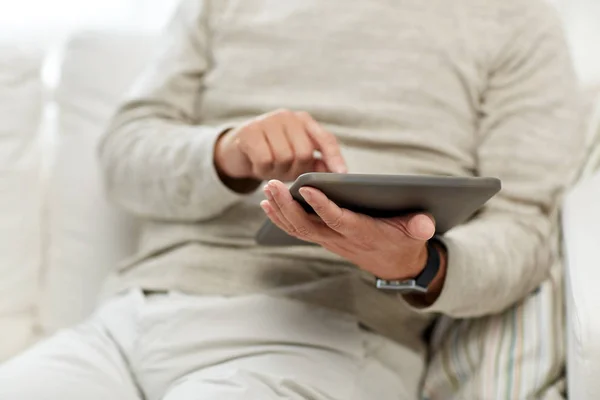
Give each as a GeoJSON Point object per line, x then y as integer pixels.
{"type": "Point", "coordinates": [273, 189]}
{"type": "Point", "coordinates": [264, 205]}
{"type": "Point", "coordinates": [422, 226]}
{"type": "Point", "coordinates": [306, 194]}
{"type": "Point", "coordinates": [268, 193]}
{"type": "Point", "coordinates": [342, 170]}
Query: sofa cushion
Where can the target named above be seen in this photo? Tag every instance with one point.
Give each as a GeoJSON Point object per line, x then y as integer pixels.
{"type": "Point", "coordinates": [581, 230]}
{"type": "Point", "coordinates": [88, 237]}
{"type": "Point", "coordinates": [20, 194]}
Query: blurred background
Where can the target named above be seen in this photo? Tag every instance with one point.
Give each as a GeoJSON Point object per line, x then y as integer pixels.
{"type": "Point", "coordinates": [47, 20]}
{"type": "Point", "coordinates": [64, 65]}
{"type": "Point", "coordinates": [55, 17]}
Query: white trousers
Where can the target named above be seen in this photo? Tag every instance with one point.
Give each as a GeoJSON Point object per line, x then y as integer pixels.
{"type": "Point", "coordinates": [182, 347]}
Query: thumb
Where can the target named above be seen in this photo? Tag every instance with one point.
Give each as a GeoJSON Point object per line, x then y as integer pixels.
{"type": "Point", "coordinates": [420, 226]}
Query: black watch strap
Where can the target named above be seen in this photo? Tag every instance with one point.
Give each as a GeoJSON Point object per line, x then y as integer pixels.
{"type": "Point", "coordinates": [421, 282]}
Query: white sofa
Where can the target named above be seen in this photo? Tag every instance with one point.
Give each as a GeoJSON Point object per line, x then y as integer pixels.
{"type": "Point", "coordinates": [21, 98]}
{"type": "Point", "coordinates": [581, 239]}
{"type": "Point", "coordinates": [59, 237]}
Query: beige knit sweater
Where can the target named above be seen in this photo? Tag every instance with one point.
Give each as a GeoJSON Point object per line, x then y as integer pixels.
{"type": "Point", "coordinates": [462, 88]}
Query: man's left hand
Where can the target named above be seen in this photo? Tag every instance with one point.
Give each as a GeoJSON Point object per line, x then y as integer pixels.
{"type": "Point", "coordinates": [389, 248]}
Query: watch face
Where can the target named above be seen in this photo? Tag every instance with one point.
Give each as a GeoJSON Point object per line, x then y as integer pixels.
{"type": "Point", "coordinates": [408, 286]}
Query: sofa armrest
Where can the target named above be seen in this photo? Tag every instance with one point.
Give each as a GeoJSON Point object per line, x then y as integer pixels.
{"type": "Point", "coordinates": [581, 238]}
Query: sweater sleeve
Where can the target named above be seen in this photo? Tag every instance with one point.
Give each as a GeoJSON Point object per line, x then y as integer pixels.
{"type": "Point", "coordinates": [157, 161]}
{"type": "Point", "coordinates": [529, 139]}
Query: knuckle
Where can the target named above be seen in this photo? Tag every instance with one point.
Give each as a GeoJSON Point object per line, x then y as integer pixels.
{"type": "Point", "coordinates": [329, 139]}
{"type": "Point", "coordinates": [249, 135]}
{"type": "Point", "coordinates": [264, 162]}
{"type": "Point", "coordinates": [252, 129]}
{"type": "Point", "coordinates": [242, 144]}
{"type": "Point", "coordinates": [303, 115]}
{"type": "Point", "coordinates": [285, 159]}
{"type": "Point", "coordinates": [258, 173]}
{"type": "Point", "coordinates": [242, 131]}
{"type": "Point", "coordinates": [337, 221]}
{"type": "Point", "coordinates": [251, 146]}
{"type": "Point", "coordinates": [252, 149]}
{"type": "Point", "coordinates": [260, 121]}
{"type": "Point", "coordinates": [263, 165]}
{"type": "Point", "coordinates": [271, 129]}
{"type": "Point", "coordinates": [304, 156]}
{"type": "Point", "coordinates": [320, 209]}
{"type": "Point", "coordinates": [283, 112]}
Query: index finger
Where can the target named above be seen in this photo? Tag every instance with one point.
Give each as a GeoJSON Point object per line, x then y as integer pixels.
{"type": "Point", "coordinates": [325, 142]}
{"type": "Point", "coordinates": [338, 219]}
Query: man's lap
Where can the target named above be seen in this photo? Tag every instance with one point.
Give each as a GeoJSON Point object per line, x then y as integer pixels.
{"type": "Point", "coordinates": [181, 347]}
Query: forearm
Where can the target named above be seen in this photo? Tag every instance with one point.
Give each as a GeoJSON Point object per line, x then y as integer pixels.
{"type": "Point", "coordinates": [157, 161]}
{"type": "Point", "coordinates": [162, 169]}
{"type": "Point", "coordinates": [492, 262]}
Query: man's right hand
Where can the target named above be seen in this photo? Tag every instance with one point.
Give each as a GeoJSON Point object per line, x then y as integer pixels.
{"type": "Point", "coordinates": [279, 145]}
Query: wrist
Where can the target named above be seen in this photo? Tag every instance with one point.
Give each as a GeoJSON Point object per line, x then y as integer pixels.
{"type": "Point", "coordinates": [417, 279]}
{"type": "Point", "coordinates": [434, 289]}
{"type": "Point", "coordinates": [219, 156]}
{"type": "Point", "coordinates": [437, 284]}
{"type": "Point", "coordinates": [242, 184]}
{"type": "Point", "coordinates": [401, 268]}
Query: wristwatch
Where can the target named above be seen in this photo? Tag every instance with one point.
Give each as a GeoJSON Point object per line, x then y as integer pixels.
{"type": "Point", "coordinates": [422, 281]}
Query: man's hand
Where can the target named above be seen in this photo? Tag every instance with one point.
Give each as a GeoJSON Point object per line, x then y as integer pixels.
{"type": "Point", "coordinates": [279, 145]}
{"type": "Point", "coordinates": [389, 248]}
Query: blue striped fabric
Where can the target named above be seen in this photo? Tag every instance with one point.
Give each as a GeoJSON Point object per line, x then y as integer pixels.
{"type": "Point", "coordinates": [518, 354]}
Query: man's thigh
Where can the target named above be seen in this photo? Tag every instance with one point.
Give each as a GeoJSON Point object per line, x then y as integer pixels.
{"type": "Point", "coordinates": [300, 374]}
{"type": "Point", "coordinates": [267, 348]}
{"type": "Point", "coordinates": [79, 363]}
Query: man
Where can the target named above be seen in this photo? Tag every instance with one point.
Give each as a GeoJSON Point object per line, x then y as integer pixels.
{"type": "Point", "coordinates": [245, 95]}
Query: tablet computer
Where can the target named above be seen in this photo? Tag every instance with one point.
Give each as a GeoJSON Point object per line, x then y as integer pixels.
{"type": "Point", "coordinates": [451, 200]}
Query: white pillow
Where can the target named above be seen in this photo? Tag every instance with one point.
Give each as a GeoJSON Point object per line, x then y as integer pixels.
{"type": "Point", "coordinates": [21, 94]}
{"type": "Point", "coordinates": [88, 237]}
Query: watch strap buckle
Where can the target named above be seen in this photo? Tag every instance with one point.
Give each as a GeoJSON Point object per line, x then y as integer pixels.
{"type": "Point", "coordinates": [409, 285]}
